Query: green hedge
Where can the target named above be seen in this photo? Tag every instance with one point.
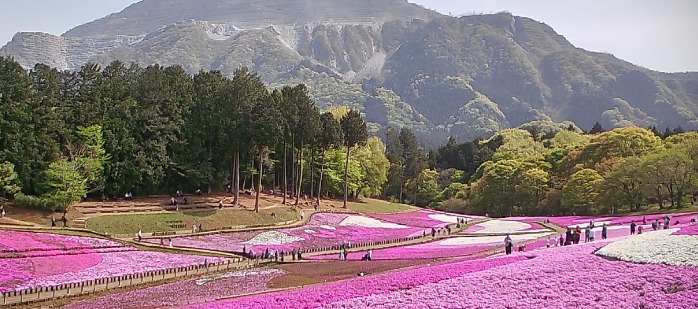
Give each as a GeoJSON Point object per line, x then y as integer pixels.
{"type": "Point", "coordinates": [40, 202]}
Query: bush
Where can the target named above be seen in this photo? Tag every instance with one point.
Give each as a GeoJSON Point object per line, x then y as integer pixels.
{"type": "Point", "coordinates": [39, 203]}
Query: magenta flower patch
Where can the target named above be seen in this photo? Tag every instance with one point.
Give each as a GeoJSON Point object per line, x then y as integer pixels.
{"type": "Point", "coordinates": [187, 292]}
{"type": "Point", "coordinates": [30, 260]}
{"type": "Point", "coordinates": [324, 229]}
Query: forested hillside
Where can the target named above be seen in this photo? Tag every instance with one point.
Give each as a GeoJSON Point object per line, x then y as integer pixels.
{"type": "Point", "coordinates": [157, 129]}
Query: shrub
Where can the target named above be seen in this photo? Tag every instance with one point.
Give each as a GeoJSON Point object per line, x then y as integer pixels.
{"type": "Point", "coordinates": [39, 202]}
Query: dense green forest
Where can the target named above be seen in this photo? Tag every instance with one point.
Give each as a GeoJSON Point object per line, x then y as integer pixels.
{"type": "Point", "coordinates": [146, 130]}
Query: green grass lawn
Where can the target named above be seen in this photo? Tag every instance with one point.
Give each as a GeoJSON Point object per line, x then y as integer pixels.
{"type": "Point", "coordinates": [210, 219]}
{"type": "Point", "coordinates": [377, 206]}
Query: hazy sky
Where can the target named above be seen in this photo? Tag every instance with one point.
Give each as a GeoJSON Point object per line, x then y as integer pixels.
{"type": "Point", "coordinates": [660, 35]}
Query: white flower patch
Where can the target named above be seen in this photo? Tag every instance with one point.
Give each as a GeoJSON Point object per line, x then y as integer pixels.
{"type": "Point", "coordinates": [370, 222]}
{"type": "Point", "coordinates": [310, 232]}
{"type": "Point", "coordinates": [503, 227]}
{"type": "Point", "coordinates": [272, 238]}
{"type": "Point", "coordinates": [444, 218]}
{"type": "Point", "coordinates": [483, 240]}
{"type": "Point", "coordinates": [328, 227]}
{"type": "Point", "coordinates": [658, 247]}
{"type": "Point", "coordinates": [242, 273]}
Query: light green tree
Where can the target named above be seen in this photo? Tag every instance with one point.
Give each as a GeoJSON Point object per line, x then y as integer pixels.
{"type": "Point", "coordinates": [82, 170]}
{"type": "Point", "coordinates": [579, 195]}
{"type": "Point", "coordinates": [8, 179]}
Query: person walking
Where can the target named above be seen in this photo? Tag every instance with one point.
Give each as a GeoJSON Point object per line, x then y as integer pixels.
{"type": "Point", "coordinates": [632, 227]}
{"type": "Point", "coordinates": [655, 225]}
{"type": "Point", "coordinates": [140, 235]}
{"type": "Point", "coordinates": [508, 244]}
{"type": "Point", "coordinates": [604, 231]}
{"type": "Point", "coordinates": [302, 214]}
{"type": "Point", "coordinates": [64, 220]}
{"type": "Point", "coordinates": [53, 221]}
{"type": "Point", "coordinates": [2, 211]}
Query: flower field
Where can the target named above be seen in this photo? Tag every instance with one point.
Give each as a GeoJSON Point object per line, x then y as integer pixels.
{"type": "Point", "coordinates": [507, 282]}
{"type": "Point", "coordinates": [655, 247]}
{"type": "Point", "coordinates": [324, 229]}
{"type": "Point", "coordinates": [581, 221]}
{"type": "Point", "coordinates": [450, 247]}
{"type": "Point", "coordinates": [423, 218]}
{"type": "Point", "coordinates": [21, 242]}
{"type": "Point", "coordinates": [32, 260]}
{"type": "Point", "coordinates": [187, 292]}
{"type": "Point", "coordinates": [502, 227]}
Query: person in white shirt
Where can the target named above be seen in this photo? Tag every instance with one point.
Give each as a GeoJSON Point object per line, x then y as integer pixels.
{"type": "Point", "coordinates": [140, 235]}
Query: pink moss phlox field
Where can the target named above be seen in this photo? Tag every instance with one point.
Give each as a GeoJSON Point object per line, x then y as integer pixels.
{"type": "Point", "coordinates": [14, 241]}
{"type": "Point", "coordinates": [583, 221]}
{"type": "Point", "coordinates": [324, 229]}
{"type": "Point", "coordinates": [316, 296]}
{"type": "Point", "coordinates": [688, 230]}
{"type": "Point", "coordinates": [23, 273]}
{"type": "Point", "coordinates": [28, 254]}
{"type": "Point", "coordinates": [421, 218]}
{"type": "Point", "coordinates": [569, 277]}
{"type": "Point", "coordinates": [420, 251]}
{"type": "Point", "coordinates": [187, 292]}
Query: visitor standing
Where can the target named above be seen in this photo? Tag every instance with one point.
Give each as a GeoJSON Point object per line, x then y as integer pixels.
{"type": "Point", "coordinates": [53, 221]}
{"type": "Point", "coordinates": [2, 211]}
{"type": "Point", "coordinates": [548, 242]}
{"type": "Point", "coordinates": [632, 227]}
{"type": "Point", "coordinates": [370, 254]}
{"type": "Point", "coordinates": [561, 241]}
{"type": "Point", "coordinates": [655, 225]}
{"type": "Point", "coordinates": [577, 235]}
{"type": "Point", "coordinates": [433, 232]}
{"type": "Point", "coordinates": [508, 244]}
{"type": "Point", "coordinates": [302, 214]}
{"type": "Point", "coordinates": [604, 231]}
{"type": "Point", "coordinates": [193, 228]}
{"type": "Point", "coordinates": [220, 204]}
{"type": "Point", "coordinates": [667, 221]}
{"type": "Point", "coordinates": [569, 237]}
{"type": "Point", "coordinates": [201, 227]}
{"type": "Point", "coordinates": [140, 235]}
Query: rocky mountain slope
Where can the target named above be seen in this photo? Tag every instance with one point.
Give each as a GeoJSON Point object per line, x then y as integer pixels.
{"type": "Point", "coordinates": [401, 64]}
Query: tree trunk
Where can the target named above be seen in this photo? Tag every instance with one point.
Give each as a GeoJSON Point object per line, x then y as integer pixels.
{"type": "Point", "coordinates": [312, 172]}
{"type": "Point", "coordinates": [294, 170]}
{"type": "Point", "coordinates": [285, 180]}
{"type": "Point", "coordinates": [319, 182]}
{"type": "Point", "coordinates": [401, 185]}
{"type": "Point", "coordinates": [346, 179]}
{"type": "Point", "coordinates": [236, 181]}
{"type": "Point", "coordinates": [210, 160]}
{"type": "Point", "coordinates": [259, 180]}
{"type": "Point", "coordinates": [300, 172]}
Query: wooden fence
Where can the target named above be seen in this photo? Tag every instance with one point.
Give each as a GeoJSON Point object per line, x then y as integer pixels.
{"type": "Point", "coordinates": [31, 295]}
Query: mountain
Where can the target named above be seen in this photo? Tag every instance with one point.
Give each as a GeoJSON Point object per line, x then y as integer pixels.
{"type": "Point", "coordinates": [401, 64]}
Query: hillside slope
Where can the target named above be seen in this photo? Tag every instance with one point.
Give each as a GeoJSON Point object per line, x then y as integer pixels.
{"type": "Point", "coordinates": [401, 64]}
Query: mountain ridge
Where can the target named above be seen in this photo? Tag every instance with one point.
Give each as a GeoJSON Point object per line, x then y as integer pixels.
{"type": "Point", "coordinates": [468, 76]}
